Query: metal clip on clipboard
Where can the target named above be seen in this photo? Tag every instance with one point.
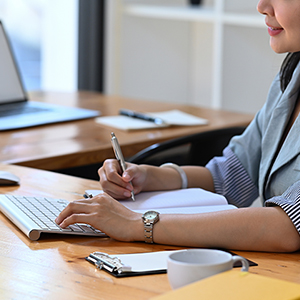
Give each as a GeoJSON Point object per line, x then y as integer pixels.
{"type": "Point", "coordinates": [108, 263]}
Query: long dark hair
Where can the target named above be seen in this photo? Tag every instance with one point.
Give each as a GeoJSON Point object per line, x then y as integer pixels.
{"type": "Point", "coordinates": [287, 68]}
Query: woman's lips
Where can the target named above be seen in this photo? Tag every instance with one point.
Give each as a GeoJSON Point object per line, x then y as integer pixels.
{"type": "Point", "coordinates": [274, 30]}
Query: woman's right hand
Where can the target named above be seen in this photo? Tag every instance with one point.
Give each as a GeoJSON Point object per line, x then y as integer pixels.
{"type": "Point", "coordinates": [120, 186]}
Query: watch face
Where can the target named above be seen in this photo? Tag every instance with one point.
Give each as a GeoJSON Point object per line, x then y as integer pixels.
{"type": "Point", "coordinates": [150, 215]}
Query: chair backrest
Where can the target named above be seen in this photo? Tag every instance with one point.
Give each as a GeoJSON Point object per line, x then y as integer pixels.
{"type": "Point", "coordinates": [195, 149]}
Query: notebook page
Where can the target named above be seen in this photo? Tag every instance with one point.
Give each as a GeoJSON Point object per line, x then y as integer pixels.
{"type": "Point", "coordinates": [127, 123]}
{"type": "Point", "coordinates": [190, 210]}
{"type": "Point", "coordinates": [174, 198]}
{"type": "Point", "coordinates": [171, 117]}
{"type": "Point", "coordinates": [177, 117]}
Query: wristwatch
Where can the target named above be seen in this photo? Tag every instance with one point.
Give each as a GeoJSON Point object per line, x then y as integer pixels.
{"type": "Point", "coordinates": [149, 218]}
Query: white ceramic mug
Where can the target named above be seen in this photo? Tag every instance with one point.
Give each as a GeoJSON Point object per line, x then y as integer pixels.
{"type": "Point", "coordinates": [187, 266]}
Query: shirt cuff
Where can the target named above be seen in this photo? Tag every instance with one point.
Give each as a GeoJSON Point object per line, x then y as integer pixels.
{"type": "Point", "coordinates": [232, 180]}
{"type": "Point", "coordinates": [289, 201]}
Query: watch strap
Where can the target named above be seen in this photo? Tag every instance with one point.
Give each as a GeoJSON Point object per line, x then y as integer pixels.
{"type": "Point", "coordinates": [148, 232]}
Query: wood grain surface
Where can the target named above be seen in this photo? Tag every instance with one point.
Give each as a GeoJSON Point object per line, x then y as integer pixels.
{"type": "Point", "coordinates": [83, 142]}
{"type": "Point", "coordinates": [54, 267]}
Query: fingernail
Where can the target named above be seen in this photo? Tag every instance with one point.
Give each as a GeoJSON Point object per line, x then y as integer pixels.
{"type": "Point", "coordinates": [125, 175]}
{"type": "Point", "coordinates": [127, 194]}
{"type": "Point", "coordinates": [129, 186]}
{"type": "Point", "coordinates": [61, 225]}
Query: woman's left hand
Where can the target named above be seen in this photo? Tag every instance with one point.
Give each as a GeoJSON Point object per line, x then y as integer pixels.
{"type": "Point", "coordinates": [106, 214]}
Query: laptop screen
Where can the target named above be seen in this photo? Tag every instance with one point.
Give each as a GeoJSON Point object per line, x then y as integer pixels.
{"type": "Point", "coordinates": [10, 83]}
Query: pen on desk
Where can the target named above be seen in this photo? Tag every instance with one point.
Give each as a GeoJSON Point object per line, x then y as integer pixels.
{"type": "Point", "coordinates": [141, 116]}
{"type": "Point", "coordinates": [87, 196]}
{"type": "Point", "coordinates": [119, 156]}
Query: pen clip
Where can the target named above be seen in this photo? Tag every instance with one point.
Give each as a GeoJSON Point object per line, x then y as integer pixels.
{"type": "Point", "coordinates": [117, 151]}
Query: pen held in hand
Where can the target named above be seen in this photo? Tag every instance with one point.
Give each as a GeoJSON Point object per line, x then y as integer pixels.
{"type": "Point", "coordinates": [141, 116]}
{"type": "Point", "coordinates": [119, 156]}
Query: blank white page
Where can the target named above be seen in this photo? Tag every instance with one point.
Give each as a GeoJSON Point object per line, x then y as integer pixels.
{"type": "Point", "coordinates": [175, 198]}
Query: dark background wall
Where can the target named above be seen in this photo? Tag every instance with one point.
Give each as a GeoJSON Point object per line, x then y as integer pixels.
{"type": "Point", "coordinates": [91, 45]}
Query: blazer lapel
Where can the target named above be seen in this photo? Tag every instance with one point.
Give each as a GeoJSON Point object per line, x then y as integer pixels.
{"type": "Point", "coordinates": [290, 148]}
{"type": "Point", "coordinates": [271, 139]}
{"type": "Point", "coordinates": [274, 132]}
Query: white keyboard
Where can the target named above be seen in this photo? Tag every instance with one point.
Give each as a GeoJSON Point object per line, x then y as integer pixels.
{"type": "Point", "coordinates": [34, 215]}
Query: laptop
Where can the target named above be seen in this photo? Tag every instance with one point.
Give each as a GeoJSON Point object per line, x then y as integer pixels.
{"type": "Point", "coordinates": [15, 110]}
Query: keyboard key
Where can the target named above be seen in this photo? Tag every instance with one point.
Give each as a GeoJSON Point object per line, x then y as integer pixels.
{"type": "Point", "coordinates": [86, 228]}
{"type": "Point", "coordinates": [66, 229]}
{"type": "Point", "coordinates": [75, 227]}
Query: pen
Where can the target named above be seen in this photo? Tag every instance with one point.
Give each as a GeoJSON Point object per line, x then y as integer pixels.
{"type": "Point", "coordinates": [141, 116]}
{"type": "Point", "coordinates": [87, 196]}
{"type": "Point", "coordinates": [119, 156]}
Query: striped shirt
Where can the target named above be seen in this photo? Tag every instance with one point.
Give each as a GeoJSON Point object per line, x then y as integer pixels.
{"type": "Point", "coordinates": [232, 181]}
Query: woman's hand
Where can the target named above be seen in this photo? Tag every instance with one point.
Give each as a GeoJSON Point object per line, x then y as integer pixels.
{"type": "Point", "coordinates": [106, 214]}
{"type": "Point", "coordinates": [120, 186]}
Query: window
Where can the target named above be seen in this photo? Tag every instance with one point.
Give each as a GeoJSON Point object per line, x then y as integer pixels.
{"type": "Point", "coordinates": [44, 37]}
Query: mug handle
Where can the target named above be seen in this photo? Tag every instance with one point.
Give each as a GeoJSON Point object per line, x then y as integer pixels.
{"type": "Point", "coordinates": [245, 264]}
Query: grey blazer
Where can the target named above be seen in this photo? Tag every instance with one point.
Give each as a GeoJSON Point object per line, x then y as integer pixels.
{"type": "Point", "coordinates": [250, 165]}
{"type": "Point", "coordinates": [256, 149]}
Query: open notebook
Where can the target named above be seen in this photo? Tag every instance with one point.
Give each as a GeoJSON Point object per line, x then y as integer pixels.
{"type": "Point", "coordinates": [193, 200]}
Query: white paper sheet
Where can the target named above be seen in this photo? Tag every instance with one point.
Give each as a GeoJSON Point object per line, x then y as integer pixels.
{"type": "Point", "coordinates": [172, 117]}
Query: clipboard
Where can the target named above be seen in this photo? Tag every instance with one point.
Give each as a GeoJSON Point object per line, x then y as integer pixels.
{"type": "Point", "coordinates": [125, 265]}
{"type": "Point", "coordinates": [135, 264]}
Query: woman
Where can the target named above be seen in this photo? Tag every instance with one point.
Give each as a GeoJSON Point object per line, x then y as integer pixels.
{"type": "Point", "coordinates": [264, 162]}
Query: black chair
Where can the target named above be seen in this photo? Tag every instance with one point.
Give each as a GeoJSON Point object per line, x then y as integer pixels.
{"type": "Point", "coordinates": [195, 149]}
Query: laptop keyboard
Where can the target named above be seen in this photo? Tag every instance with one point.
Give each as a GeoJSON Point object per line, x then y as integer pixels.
{"type": "Point", "coordinates": [14, 110]}
{"type": "Point", "coordinates": [42, 211]}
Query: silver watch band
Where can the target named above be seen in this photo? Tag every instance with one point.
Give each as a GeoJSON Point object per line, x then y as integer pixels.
{"type": "Point", "coordinates": [148, 231]}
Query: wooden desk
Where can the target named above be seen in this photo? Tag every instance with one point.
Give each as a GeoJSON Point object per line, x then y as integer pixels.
{"type": "Point", "coordinates": [54, 267]}
{"type": "Point", "coordinates": [84, 142]}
